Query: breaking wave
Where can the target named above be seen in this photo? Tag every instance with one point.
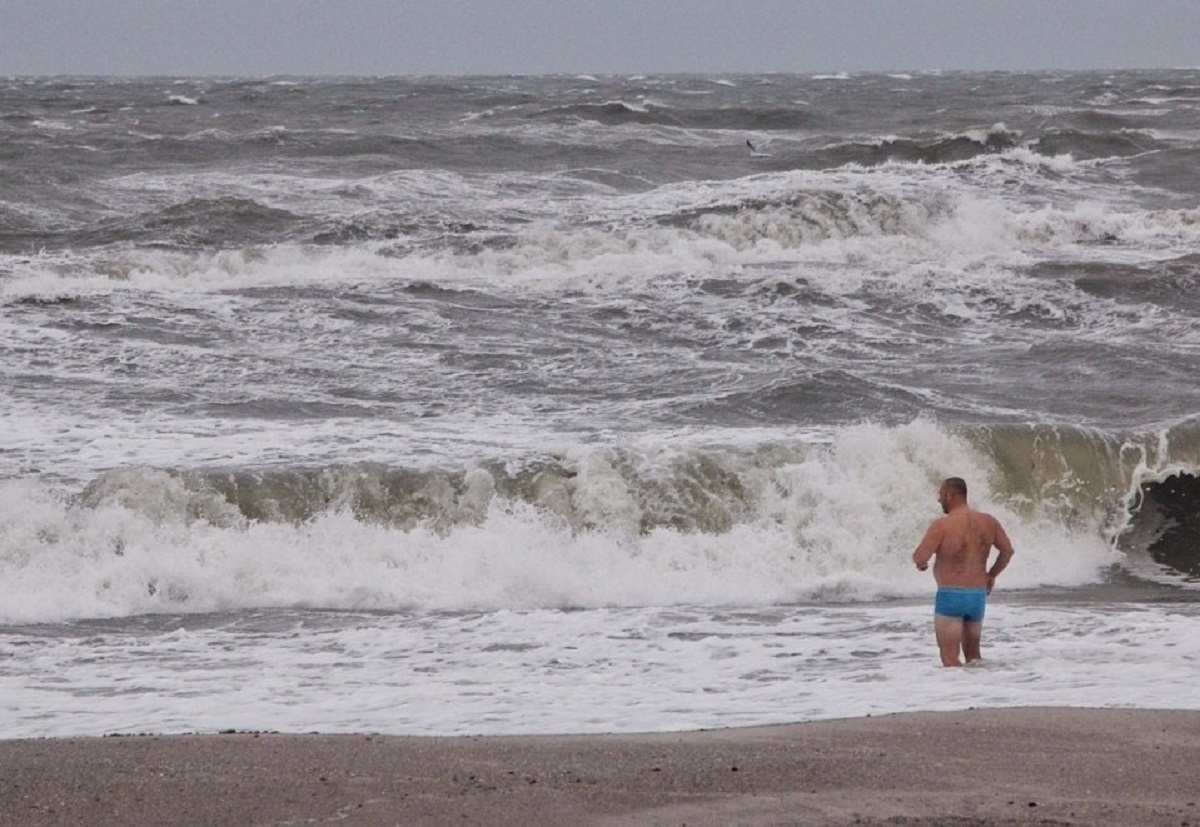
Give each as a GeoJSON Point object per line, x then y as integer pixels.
{"type": "Point", "coordinates": [826, 520]}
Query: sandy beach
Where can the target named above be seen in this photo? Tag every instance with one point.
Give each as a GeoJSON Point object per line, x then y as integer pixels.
{"type": "Point", "coordinates": [1012, 766]}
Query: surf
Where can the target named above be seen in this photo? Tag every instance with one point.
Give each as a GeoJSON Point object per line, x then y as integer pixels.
{"type": "Point", "coordinates": [773, 523]}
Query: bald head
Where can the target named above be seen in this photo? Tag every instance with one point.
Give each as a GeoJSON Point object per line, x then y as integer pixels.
{"type": "Point", "coordinates": [952, 492]}
{"type": "Point", "coordinates": [956, 484]}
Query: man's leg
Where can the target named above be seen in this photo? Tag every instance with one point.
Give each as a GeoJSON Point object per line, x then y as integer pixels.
{"type": "Point", "coordinates": [949, 633]}
{"type": "Point", "coordinates": [972, 635]}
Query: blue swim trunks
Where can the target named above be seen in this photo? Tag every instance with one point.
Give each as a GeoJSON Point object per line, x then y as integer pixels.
{"type": "Point", "coordinates": [956, 602]}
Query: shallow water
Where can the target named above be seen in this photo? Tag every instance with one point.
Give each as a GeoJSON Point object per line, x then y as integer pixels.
{"type": "Point", "coordinates": [599, 670]}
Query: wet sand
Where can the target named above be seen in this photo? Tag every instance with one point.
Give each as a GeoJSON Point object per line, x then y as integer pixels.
{"type": "Point", "coordinates": [1016, 766]}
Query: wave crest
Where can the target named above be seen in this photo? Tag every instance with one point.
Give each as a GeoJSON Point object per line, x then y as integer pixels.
{"type": "Point", "coordinates": [812, 216]}
{"type": "Point", "coordinates": [774, 523]}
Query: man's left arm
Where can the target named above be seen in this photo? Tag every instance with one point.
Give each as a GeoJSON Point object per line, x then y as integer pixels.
{"type": "Point", "coordinates": [1004, 547]}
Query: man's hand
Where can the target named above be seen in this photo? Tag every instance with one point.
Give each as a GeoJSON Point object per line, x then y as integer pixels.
{"type": "Point", "coordinates": [922, 566]}
{"type": "Point", "coordinates": [991, 582]}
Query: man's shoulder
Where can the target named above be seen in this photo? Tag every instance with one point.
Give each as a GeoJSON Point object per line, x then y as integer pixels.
{"type": "Point", "coordinates": [987, 517]}
{"type": "Point", "coordinates": [992, 525]}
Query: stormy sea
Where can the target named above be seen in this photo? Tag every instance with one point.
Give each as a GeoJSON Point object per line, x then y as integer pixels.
{"type": "Point", "coordinates": [452, 405]}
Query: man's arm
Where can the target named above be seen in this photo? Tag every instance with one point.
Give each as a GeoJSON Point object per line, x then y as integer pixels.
{"type": "Point", "coordinates": [1004, 546]}
{"type": "Point", "coordinates": [929, 545]}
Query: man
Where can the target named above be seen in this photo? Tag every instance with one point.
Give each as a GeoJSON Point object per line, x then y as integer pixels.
{"type": "Point", "coordinates": [961, 542]}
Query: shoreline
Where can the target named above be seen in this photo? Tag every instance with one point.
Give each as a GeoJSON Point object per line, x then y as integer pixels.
{"type": "Point", "coordinates": [1033, 765]}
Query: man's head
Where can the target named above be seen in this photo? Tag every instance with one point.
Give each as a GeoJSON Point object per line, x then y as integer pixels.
{"type": "Point", "coordinates": [952, 492]}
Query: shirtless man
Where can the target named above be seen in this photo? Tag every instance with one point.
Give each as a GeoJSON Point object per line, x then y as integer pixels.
{"type": "Point", "coordinates": [961, 543]}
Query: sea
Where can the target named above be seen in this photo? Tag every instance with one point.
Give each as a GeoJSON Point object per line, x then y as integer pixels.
{"type": "Point", "coordinates": [570, 404]}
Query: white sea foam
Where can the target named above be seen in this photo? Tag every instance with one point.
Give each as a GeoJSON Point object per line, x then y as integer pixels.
{"type": "Point", "coordinates": [54, 125]}
{"type": "Point", "coordinates": [607, 670]}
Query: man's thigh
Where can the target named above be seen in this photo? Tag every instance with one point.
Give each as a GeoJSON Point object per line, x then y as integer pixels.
{"type": "Point", "coordinates": [949, 632]}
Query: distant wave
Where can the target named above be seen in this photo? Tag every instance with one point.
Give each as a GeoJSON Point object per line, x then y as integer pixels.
{"type": "Point", "coordinates": [614, 113]}
{"type": "Point", "coordinates": [208, 223]}
{"type": "Point", "coordinates": [945, 149]}
{"type": "Point", "coordinates": [1170, 282]}
{"type": "Point", "coordinates": [810, 216]}
{"type": "Point", "coordinates": [202, 223]}
{"type": "Point", "coordinates": [1088, 145]}
{"type": "Point", "coordinates": [941, 149]}
{"type": "Point", "coordinates": [183, 243]}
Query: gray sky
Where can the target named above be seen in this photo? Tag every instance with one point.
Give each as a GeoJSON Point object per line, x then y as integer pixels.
{"type": "Point", "coordinates": [373, 37]}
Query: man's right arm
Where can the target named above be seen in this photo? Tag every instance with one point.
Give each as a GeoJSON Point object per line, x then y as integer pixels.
{"type": "Point", "coordinates": [929, 545]}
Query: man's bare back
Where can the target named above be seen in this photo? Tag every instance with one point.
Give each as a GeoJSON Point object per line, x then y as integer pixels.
{"type": "Point", "coordinates": [960, 544]}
